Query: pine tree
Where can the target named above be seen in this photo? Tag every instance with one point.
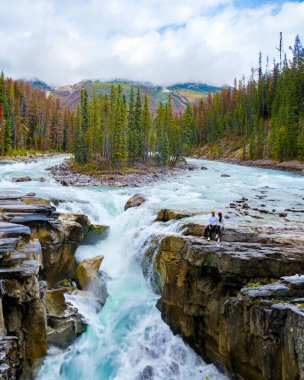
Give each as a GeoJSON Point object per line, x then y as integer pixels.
{"type": "Point", "coordinates": [119, 149]}
{"type": "Point", "coordinates": [4, 116]}
{"type": "Point", "coordinates": [138, 129]}
{"type": "Point", "coordinates": [131, 130]}
{"type": "Point", "coordinates": [146, 123]}
{"type": "Point", "coordinates": [300, 143]}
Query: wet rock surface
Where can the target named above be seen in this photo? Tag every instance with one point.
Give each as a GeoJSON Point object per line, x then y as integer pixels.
{"type": "Point", "coordinates": [238, 304]}
{"type": "Point", "coordinates": [21, 179]}
{"type": "Point", "coordinates": [64, 321]}
{"type": "Point", "coordinates": [90, 279]}
{"type": "Point", "coordinates": [166, 215]}
{"type": "Point", "coordinates": [135, 201]}
{"type": "Point", "coordinates": [37, 249]}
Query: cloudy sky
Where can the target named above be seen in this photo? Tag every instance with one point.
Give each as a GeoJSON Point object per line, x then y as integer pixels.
{"type": "Point", "coordinates": [161, 41]}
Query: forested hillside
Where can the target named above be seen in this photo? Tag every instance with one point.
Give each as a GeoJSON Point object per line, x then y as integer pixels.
{"type": "Point", "coordinates": [180, 93]}
{"type": "Point", "coordinates": [263, 116]}
{"type": "Point", "coordinates": [30, 119]}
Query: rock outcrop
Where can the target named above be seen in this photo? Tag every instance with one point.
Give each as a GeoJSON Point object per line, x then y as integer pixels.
{"type": "Point", "coordinates": [270, 330]}
{"type": "Point", "coordinates": [64, 321]}
{"type": "Point", "coordinates": [22, 303]}
{"type": "Point", "coordinates": [135, 201]}
{"type": "Point", "coordinates": [165, 215]}
{"type": "Point", "coordinates": [37, 249]}
{"type": "Point", "coordinates": [90, 279]}
{"type": "Point", "coordinates": [228, 302]}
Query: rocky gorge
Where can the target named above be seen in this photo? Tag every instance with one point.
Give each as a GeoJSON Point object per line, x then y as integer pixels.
{"type": "Point", "coordinates": [37, 268]}
{"type": "Point", "coordinates": [239, 304]}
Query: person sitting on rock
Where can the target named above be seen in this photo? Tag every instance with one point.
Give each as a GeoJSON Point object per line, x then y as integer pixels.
{"type": "Point", "coordinates": [213, 221]}
{"type": "Point", "coordinates": [219, 228]}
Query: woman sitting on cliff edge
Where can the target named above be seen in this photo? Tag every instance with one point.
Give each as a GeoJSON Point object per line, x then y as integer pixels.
{"type": "Point", "coordinates": [219, 228]}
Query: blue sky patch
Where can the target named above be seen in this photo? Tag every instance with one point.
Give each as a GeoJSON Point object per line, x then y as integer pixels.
{"type": "Point", "coordinates": [259, 3]}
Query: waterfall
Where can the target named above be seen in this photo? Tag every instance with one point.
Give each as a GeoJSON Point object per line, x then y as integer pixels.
{"type": "Point", "coordinates": [127, 339]}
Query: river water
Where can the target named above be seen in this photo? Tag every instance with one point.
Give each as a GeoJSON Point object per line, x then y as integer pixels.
{"type": "Point", "coordinates": [128, 340]}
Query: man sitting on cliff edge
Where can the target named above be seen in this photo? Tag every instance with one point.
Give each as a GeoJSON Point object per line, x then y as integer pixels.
{"type": "Point", "coordinates": [213, 222]}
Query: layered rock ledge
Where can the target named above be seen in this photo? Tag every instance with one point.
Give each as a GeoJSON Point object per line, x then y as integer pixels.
{"type": "Point", "coordinates": [238, 304]}
{"type": "Point", "coordinates": [37, 268]}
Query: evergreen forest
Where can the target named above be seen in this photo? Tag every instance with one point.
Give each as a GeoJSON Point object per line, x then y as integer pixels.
{"type": "Point", "coordinates": [263, 116]}
{"type": "Point", "coordinates": [32, 120]}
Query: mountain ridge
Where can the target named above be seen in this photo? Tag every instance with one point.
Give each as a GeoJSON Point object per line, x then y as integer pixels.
{"type": "Point", "coordinates": [181, 93]}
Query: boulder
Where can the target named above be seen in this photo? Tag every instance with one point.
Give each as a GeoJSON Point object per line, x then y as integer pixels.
{"type": "Point", "coordinates": [192, 167]}
{"type": "Point", "coordinates": [225, 175]}
{"type": "Point", "coordinates": [82, 219]}
{"type": "Point", "coordinates": [21, 179]}
{"type": "Point", "coordinates": [87, 271]}
{"type": "Point", "coordinates": [204, 168]}
{"type": "Point", "coordinates": [64, 321]}
{"type": "Point", "coordinates": [165, 215]}
{"type": "Point", "coordinates": [282, 214]}
{"type": "Point", "coordinates": [90, 279]}
{"type": "Point", "coordinates": [135, 201]}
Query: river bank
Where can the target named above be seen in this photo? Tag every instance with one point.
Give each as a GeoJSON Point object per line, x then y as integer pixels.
{"type": "Point", "coordinates": [288, 166]}
{"type": "Point", "coordinates": [227, 152]}
{"type": "Point", "coordinates": [140, 175]}
{"type": "Point", "coordinates": [31, 157]}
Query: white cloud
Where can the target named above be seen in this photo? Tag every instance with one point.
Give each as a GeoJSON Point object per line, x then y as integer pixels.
{"type": "Point", "coordinates": [64, 41]}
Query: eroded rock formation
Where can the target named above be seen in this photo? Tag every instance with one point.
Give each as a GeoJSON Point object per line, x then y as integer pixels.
{"type": "Point", "coordinates": [228, 302]}
{"type": "Point", "coordinates": [37, 264]}
{"type": "Point", "coordinates": [64, 321]}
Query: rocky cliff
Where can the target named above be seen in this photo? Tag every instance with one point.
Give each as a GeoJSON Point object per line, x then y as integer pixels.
{"type": "Point", "coordinates": [240, 303]}
{"type": "Point", "coordinates": [37, 268]}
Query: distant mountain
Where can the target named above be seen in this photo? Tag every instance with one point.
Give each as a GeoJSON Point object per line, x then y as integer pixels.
{"type": "Point", "coordinates": [181, 93]}
{"type": "Point", "coordinates": [195, 87]}
{"type": "Point", "coordinates": [37, 83]}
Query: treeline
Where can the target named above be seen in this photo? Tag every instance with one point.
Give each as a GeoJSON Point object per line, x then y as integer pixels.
{"type": "Point", "coordinates": [32, 120]}
{"type": "Point", "coordinates": [265, 115]}
{"type": "Point", "coordinates": [112, 131]}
